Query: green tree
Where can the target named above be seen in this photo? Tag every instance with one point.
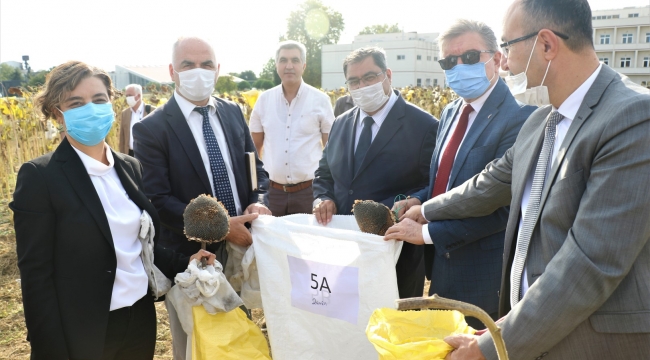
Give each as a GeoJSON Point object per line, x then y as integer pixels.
{"type": "Point", "coordinates": [269, 72]}
{"type": "Point", "coordinates": [314, 25]}
{"type": "Point", "coordinates": [248, 75]}
{"type": "Point", "coordinates": [8, 72]}
{"type": "Point", "coordinates": [263, 84]}
{"type": "Point", "coordinates": [225, 84]}
{"type": "Point", "coordinates": [37, 78]}
{"type": "Point", "coordinates": [381, 29]}
{"type": "Point", "coordinates": [243, 85]}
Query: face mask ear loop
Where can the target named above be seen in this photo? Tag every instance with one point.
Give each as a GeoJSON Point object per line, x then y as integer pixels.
{"type": "Point", "coordinates": [531, 55]}
{"type": "Point", "coordinates": [547, 66]}
{"type": "Point", "coordinates": [493, 75]}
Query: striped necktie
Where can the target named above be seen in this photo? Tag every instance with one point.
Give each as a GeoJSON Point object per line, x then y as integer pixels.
{"type": "Point", "coordinates": [532, 210]}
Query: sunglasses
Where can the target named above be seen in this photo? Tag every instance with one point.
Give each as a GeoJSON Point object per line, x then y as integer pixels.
{"type": "Point", "coordinates": [470, 57]}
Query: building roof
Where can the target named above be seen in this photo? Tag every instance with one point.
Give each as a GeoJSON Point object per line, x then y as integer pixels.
{"type": "Point", "coordinates": [153, 73]}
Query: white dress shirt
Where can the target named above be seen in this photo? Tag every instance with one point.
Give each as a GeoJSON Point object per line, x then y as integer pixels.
{"type": "Point", "coordinates": [379, 118]}
{"type": "Point", "coordinates": [292, 132]}
{"type": "Point", "coordinates": [195, 122]}
{"type": "Point", "coordinates": [568, 109]}
{"type": "Point", "coordinates": [123, 217]}
{"type": "Point", "coordinates": [136, 116]}
{"type": "Point", "coordinates": [477, 104]}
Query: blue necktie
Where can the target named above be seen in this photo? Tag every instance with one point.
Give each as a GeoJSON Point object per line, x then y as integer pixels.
{"type": "Point", "coordinates": [364, 142]}
{"type": "Point", "coordinates": [221, 183]}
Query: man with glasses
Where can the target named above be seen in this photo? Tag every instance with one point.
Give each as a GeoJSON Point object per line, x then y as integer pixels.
{"type": "Point", "coordinates": [463, 257]}
{"type": "Point", "coordinates": [289, 122]}
{"type": "Point", "coordinates": [378, 150]}
{"type": "Point", "coordinates": [576, 261]}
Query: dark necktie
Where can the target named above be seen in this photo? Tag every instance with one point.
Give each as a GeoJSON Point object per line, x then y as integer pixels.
{"type": "Point", "coordinates": [532, 209]}
{"type": "Point", "coordinates": [221, 183]}
{"type": "Point", "coordinates": [449, 155]}
{"type": "Point", "coordinates": [364, 142]}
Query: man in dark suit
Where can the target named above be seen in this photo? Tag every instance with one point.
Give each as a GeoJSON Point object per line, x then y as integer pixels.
{"type": "Point", "coordinates": [376, 151]}
{"type": "Point", "coordinates": [179, 166]}
{"type": "Point", "coordinates": [195, 144]}
{"type": "Point", "coordinates": [463, 257]}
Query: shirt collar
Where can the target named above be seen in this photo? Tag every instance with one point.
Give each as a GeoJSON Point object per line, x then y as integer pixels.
{"type": "Point", "coordinates": [381, 115]}
{"type": "Point", "coordinates": [570, 106]}
{"type": "Point", "coordinates": [301, 89]}
{"type": "Point", "coordinates": [187, 107]}
{"type": "Point", "coordinates": [94, 167]}
{"type": "Point", "coordinates": [480, 101]}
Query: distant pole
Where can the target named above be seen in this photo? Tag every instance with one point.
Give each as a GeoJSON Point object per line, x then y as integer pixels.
{"type": "Point", "coordinates": [27, 67]}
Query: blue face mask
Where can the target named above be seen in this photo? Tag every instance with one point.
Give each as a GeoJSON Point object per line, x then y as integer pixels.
{"type": "Point", "coordinates": [89, 124]}
{"type": "Point", "coordinates": [468, 81]}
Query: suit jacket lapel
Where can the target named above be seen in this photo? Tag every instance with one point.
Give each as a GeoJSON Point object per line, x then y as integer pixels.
{"type": "Point", "coordinates": [177, 121]}
{"type": "Point", "coordinates": [388, 128]}
{"type": "Point", "coordinates": [483, 119]}
{"type": "Point", "coordinates": [350, 132]}
{"type": "Point", "coordinates": [127, 177]}
{"type": "Point", "coordinates": [228, 132]}
{"type": "Point", "coordinates": [591, 99]}
{"type": "Point", "coordinates": [78, 177]}
{"type": "Point", "coordinates": [445, 122]}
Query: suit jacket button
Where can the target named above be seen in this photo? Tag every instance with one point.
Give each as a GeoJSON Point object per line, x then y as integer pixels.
{"type": "Point", "coordinates": [447, 255]}
{"type": "Point", "coordinates": [351, 192]}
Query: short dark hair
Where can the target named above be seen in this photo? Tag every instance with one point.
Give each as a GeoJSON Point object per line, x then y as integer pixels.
{"type": "Point", "coordinates": [358, 55]}
{"type": "Point", "coordinates": [570, 17]}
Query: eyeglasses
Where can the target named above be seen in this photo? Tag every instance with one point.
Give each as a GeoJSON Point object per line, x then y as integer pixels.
{"type": "Point", "coordinates": [367, 79]}
{"type": "Point", "coordinates": [469, 57]}
{"type": "Point", "coordinates": [506, 45]}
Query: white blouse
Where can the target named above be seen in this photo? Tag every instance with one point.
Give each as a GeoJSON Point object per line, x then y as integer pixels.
{"type": "Point", "coordinates": [124, 221]}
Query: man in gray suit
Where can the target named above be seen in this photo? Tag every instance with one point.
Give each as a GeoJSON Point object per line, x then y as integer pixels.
{"type": "Point", "coordinates": [576, 275]}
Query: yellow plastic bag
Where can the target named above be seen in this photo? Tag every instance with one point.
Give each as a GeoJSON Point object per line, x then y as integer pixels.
{"type": "Point", "coordinates": [414, 334]}
{"type": "Point", "coordinates": [224, 336]}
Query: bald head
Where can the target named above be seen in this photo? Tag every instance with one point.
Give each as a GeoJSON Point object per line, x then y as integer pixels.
{"type": "Point", "coordinates": [192, 52]}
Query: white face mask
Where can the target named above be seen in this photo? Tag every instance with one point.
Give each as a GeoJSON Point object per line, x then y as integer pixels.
{"type": "Point", "coordinates": [536, 96]}
{"type": "Point", "coordinates": [196, 84]}
{"type": "Point", "coordinates": [131, 101]}
{"type": "Point", "coordinates": [370, 98]}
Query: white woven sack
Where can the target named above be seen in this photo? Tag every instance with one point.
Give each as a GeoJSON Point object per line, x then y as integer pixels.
{"type": "Point", "coordinates": [320, 284]}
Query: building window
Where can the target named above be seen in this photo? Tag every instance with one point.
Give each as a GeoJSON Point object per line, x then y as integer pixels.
{"type": "Point", "coordinates": [633, 15]}
{"type": "Point", "coordinates": [435, 58]}
{"type": "Point", "coordinates": [647, 37]}
{"type": "Point", "coordinates": [627, 38]}
{"type": "Point", "coordinates": [626, 62]}
{"type": "Point", "coordinates": [604, 39]}
{"type": "Point", "coordinates": [614, 16]}
{"type": "Point", "coordinates": [419, 57]}
{"type": "Point", "coordinates": [401, 57]}
{"type": "Point", "coordinates": [429, 57]}
{"type": "Point", "coordinates": [604, 60]}
{"type": "Point", "coordinates": [419, 82]}
{"type": "Point", "coordinates": [428, 82]}
{"type": "Point", "coordinates": [435, 82]}
{"type": "Point", "coordinates": [644, 83]}
{"type": "Point", "coordinates": [646, 61]}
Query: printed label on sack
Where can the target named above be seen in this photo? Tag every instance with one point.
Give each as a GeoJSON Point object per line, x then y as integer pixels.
{"type": "Point", "coordinates": [325, 289]}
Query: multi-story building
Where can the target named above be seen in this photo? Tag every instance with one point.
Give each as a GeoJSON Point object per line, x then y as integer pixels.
{"type": "Point", "coordinates": [412, 57]}
{"type": "Point", "coordinates": [622, 41]}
